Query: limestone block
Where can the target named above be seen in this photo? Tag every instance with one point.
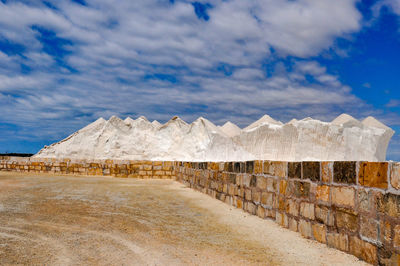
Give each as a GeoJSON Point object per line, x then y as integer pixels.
{"type": "Point", "coordinates": [338, 241]}
{"type": "Point", "coordinates": [262, 182]}
{"type": "Point", "coordinates": [363, 250]}
{"type": "Point", "coordinates": [344, 172]}
{"type": "Point", "coordinates": [293, 224]}
{"type": "Point", "coordinates": [395, 176]}
{"type": "Point", "coordinates": [294, 170]}
{"type": "Point", "coordinates": [305, 228]}
{"type": "Point", "coordinates": [347, 219]}
{"type": "Point", "coordinates": [282, 219]}
{"type": "Point", "coordinates": [373, 174]}
{"type": "Point", "coordinates": [322, 193]}
{"type": "Point", "coordinates": [343, 196]}
{"type": "Point", "coordinates": [369, 228]}
{"type": "Point", "coordinates": [327, 172]}
{"type": "Point", "coordinates": [260, 212]}
{"type": "Point", "coordinates": [307, 210]}
{"type": "Point", "coordinates": [267, 199]}
{"type": "Point", "coordinates": [311, 170]}
{"type": "Point", "coordinates": [396, 238]}
{"type": "Point", "coordinates": [292, 207]}
{"type": "Point", "coordinates": [319, 232]}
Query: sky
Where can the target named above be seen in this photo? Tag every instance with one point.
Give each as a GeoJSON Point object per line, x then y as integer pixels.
{"type": "Point", "coordinates": [65, 63]}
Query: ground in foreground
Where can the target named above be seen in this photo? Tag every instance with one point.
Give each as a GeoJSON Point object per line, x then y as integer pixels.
{"type": "Point", "coordinates": [68, 220]}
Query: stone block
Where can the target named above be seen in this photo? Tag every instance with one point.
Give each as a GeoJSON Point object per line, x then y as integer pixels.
{"type": "Point", "coordinates": [344, 172]}
{"type": "Point", "coordinates": [385, 234]}
{"type": "Point", "coordinates": [363, 200]}
{"type": "Point", "coordinates": [347, 219]}
{"type": "Point", "coordinates": [267, 199]}
{"type": "Point", "coordinates": [389, 204]}
{"type": "Point", "coordinates": [261, 182]}
{"type": "Point", "coordinates": [338, 241]}
{"type": "Point", "coordinates": [258, 167]}
{"type": "Point", "coordinates": [311, 170]}
{"type": "Point", "coordinates": [373, 174]}
{"type": "Point", "coordinates": [363, 250]}
{"type": "Point", "coordinates": [282, 187]}
{"type": "Point", "coordinates": [294, 169]}
{"type": "Point", "coordinates": [282, 219]}
{"type": "Point", "coordinates": [293, 224]}
{"type": "Point", "coordinates": [239, 203]}
{"type": "Point", "coordinates": [307, 210]}
{"type": "Point", "coordinates": [278, 169]}
{"type": "Point", "coordinates": [302, 189]}
{"type": "Point", "coordinates": [324, 214]}
{"type": "Point", "coordinates": [322, 193]}
{"type": "Point", "coordinates": [250, 167]}
{"type": "Point", "coordinates": [260, 212]}
{"type": "Point", "coordinates": [326, 172]}
{"type": "Point", "coordinates": [271, 184]}
{"type": "Point", "coordinates": [343, 196]}
{"type": "Point", "coordinates": [256, 196]}
{"type": "Point", "coordinates": [395, 176]}
{"type": "Point", "coordinates": [292, 207]}
{"type": "Point", "coordinates": [305, 228]}
{"type": "Point", "coordinates": [247, 194]}
{"type": "Point", "coordinates": [369, 228]}
{"type": "Point", "coordinates": [319, 232]}
{"type": "Point", "coordinates": [396, 237]}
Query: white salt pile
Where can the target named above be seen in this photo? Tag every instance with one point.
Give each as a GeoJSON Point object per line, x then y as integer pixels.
{"type": "Point", "coordinates": [345, 138]}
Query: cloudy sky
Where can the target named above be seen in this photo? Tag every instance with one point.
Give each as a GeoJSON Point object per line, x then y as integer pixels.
{"type": "Point", "coordinates": [65, 63]}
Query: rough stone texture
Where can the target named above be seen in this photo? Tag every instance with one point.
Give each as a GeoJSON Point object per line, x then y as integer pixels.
{"type": "Point", "coordinates": [395, 175]}
{"type": "Point", "coordinates": [311, 170]}
{"type": "Point", "coordinates": [373, 174]}
{"type": "Point", "coordinates": [324, 214]}
{"type": "Point", "coordinates": [278, 169]}
{"type": "Point", "coordinates": [346, 219]}
{"type": "Point", "coordinates": [369, 228]}
{"type": "Point", "coordinates": [363, 200]}
{"type": "Point", "coordinates": [343, 196]}
{"type": "Point", "coordinates": [292, 207]}
{"type": "Point", "coordinates": [307, 210]}
{"type": "Point", "coordinates": [267, 199]}
{"type": "Point", "coordinates": [338, 241]}
{"type": "Point", "coordinates": [262, 182]}
{"type": "Point", "coordinates": [305, 228]}
{"type": "Point", "coordinates": [396, 238]}
{"type": "Point", "coordinates": [293, 224]}
{"type": "Point", "coordinates": [302, 189]}
{"type": "Point", "coordinates": [363, 250]}
{"type": "Point", "coordinates": [344, 172]}
{"type": "Point", "coordinates": [327, 172]}
{"type": "Point", "coordinates": [294, 169]}
{"type": "Point", "coordinates": [322, 193]}
{"type": "Point", "coordinates": [319, 232]}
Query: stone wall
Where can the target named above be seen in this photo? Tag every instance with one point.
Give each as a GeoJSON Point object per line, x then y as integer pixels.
{"type": "Point", "coordinates": [350, 206]}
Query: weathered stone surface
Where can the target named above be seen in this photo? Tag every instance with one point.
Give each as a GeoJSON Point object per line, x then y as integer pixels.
{"type": "Point", "coordinates": [344, 172]}
{"type": "Point", "coordinates": [258, 167]}
{"type": "Point", "coordinates": [347, 219]}
{"type": "Point", "coordinates": [282, 219]}
{"type": "Point", "coordinates": [256, 196]}
{"type": "Point", "coordinates": [343, 196]}
{"type": "Point", "coordinates": [250, 207]}
{"type": "Point", "coordinates": [311, 170]}
{"type": "Point", "coordinates": [307, 210]}
{"type": "Point", "coordinates": [395, 176]}
{"type": "Point", "coordinates": [262, 182]}
{"type": "Point", "coordinates": [267, 199]}
{"type": "Point", "coordinates": [302, 189]}
{"type": "Point", "coordinates": [293, 224]}
{"type": "Point", "coordinates": [322, 193]}
{"type": "Point", "coordinates": [325, 215]}
{"type": "Point", "coordinates": [282, 187]}
{"type": "Point", "coordinates": [305, 228]}
{"type": "Point", "coordinates": [373, 174]}
{"type": "Point", "coordinates": [396, 238]}
{"type": "Point", "coordinates": [278, 169]}
{"type": "Point", "coordinates": [385, 232]}
{"type": "Point", "coordinates": [363, 250]}
{"type": "Point", "coordinates": [319, 232]}
{"type": "Point", "coordinates": [247, 194]}
{"type": "Point", "coordinates": [326, 172]}
{"type": "Point", "coordinates": [271, 184]}
{"type": "Point", "coordinates": [292, 207]}
{"type": "Point", "coordinates": [294, 169]}
{"type": "Point", "coordinates": [338, 241]}
{"type": "Point", "coordinates": [369, 228]}
{"type": "Point", "coordinates": [363, 200]}
{"type": "Point", "coordinates": [260, 212]}
{"type": "Point", "coordinates": [250, 167]}
{"type": "Point", "coordinates": [389, 204]}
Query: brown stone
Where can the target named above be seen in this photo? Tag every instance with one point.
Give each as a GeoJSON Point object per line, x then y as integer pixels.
{"type": "Point", "coordinates": [239, 203]}
{"type": "Point", "coordinates": [343, 196]}
{"type": "Point", "coordinates": [363, 250]}
{"type": "Point", "coordinates": [319, 232]}
{"type": "Point", "coordinates": [385, 232]}
{"type": "Point", "coordinates": [363, 200]}
{"type": "Point", "coordinates": [302, 189]}
{"type": "Point", "coordinates": [262, 182]}
{"type": "Point", "coordinates": [338, 241]}
{"type": "Point", "coordinates": [396, 238]}
{"type": "Point", "coordinates": [260, 212]}
{"type": "Point", "coordinates": [369, 228]}
{"type": "Point", "coordinates": [282, 187]}
{"type": "Point", "coordinates": [307, 210]}
{"type": "Point", "coordinates": [282, 219]}
{"type": "Point", "coordinates": [292, 207]}
{"type": "Point", "coordinates": [327, 172]}
{"type": "Point", "coordinates": [324, 214]}
{"type": "Point", "coordinates": [250, 207]}
{"type": "Point", "coordinates": [267, 199]}
{"type": "Point", "coordinates": [294, 169]}
{"type": "Point", "coordinates": [293, 224]}
{"type": "Point", "coordinates": [258, 167]}
{"type": "Point", "coordinates": [344, 172]}
{"type": "Point", "coordinates": [250, 167]}
{"type": "Point", "coordinates": [305, 228]}
{"type": "Point", "coordinates": [389, 203]}
{"type": "Point", "coordinates": [271, 184]}
{"type": "Point", "coordinates": [347, 219]}
{"type": "Point", "coordinates": [322, 193]}
{"type": "Point", "coordinates": [256, 196]}
{"type": "Point", "coordinates": [311, 170]}
{"type": "Point", "coordinates": [278, 169]}
{"type": "Point", "coordinates": [395, 176]}
{"type": "Point", "coordinates": [373, 174]}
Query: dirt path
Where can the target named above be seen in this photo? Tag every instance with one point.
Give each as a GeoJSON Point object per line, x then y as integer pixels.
{"type": "Point", "coordinates": [61, 220]}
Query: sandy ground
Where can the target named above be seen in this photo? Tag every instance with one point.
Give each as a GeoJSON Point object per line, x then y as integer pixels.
{"type": "Point", "coordinates": [63, 220]}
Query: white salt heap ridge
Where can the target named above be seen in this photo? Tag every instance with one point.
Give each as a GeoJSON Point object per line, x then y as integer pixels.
{"type": "Point", "coordinates": [343, 139]}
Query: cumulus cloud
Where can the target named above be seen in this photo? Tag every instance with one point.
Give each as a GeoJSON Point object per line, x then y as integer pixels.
{"type": "Point", "coordinates": [65, 64]}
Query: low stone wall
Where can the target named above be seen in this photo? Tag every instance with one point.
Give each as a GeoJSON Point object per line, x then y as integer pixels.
{"type": "Point", "coordinates": [350, 206]}
{"type": "Point", "coordinates": [116, 168]}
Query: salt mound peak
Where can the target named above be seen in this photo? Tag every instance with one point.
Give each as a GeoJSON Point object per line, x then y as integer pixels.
{"type": "Point", "coordinates": [175, 121]}
{"type": "Point", "coordinates": [230, 129]}
{"type": "Point", "coordinates": [265, 119]}
{"type": "Point", "coordinates": [343, 118]}
{"type": "Point", "coordinates": [156, 123]}
{"type": "Point", "coordinates": [128, 120]}
{"type": "Point", "coordinates": [373, 122]}
{"type": "Point", "coordinates": [294, 120]}
{"type": "Point", "coordinates": [207, 124]}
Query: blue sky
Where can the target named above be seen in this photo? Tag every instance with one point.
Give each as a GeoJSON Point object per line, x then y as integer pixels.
{"type": "Point", "coordinates": [65, 63]}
